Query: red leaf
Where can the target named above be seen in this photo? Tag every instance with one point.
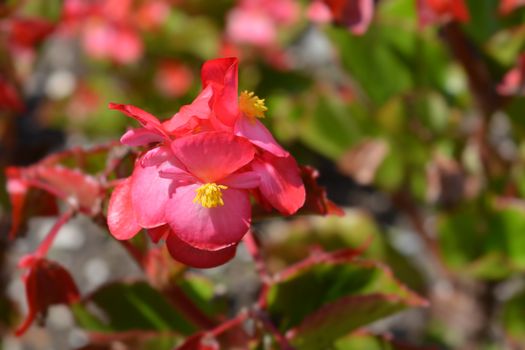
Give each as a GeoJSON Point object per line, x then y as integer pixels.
{"type": "Point", "coordinates": [507, 6]}
{"type": "Point", "coordinates": [17, 190]}
{"type": "Point", "coordinates": [362, 161]}
{"type": "Point", "coordinates": [317, 201]}
{"type": "Point", "coordinates": [356, 15]}
{"type": "Point", "coordinates": [76, 187]}
{"type": "Point", "coordinates": [9, 97]}
{"type": "Point", "coordinates": [27, 32]}
{"type": "Point", "coordinates": [200, 341]}
{"type": "Point", "coordinates": [47, 283]}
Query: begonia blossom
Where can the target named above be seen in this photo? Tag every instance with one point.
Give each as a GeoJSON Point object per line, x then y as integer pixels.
{"type": "Point", "coordinates": [355, 15]}
{"type": "Point", "coordinates": [507, 6]}
{"type": "Point", "coordinates": [111, 29]}
{"type": "Point", "coordinates": [514, 80]}
{"type": "Point", "coordinates": [257, 22]}
{"type": "Point", "coordinates": [193, 188]}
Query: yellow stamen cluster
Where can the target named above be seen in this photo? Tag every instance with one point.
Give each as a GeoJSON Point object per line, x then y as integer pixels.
{"type": "Point", "coordinates": [251, 105]}
{"type": "Point", "coordinates": [209, 195]}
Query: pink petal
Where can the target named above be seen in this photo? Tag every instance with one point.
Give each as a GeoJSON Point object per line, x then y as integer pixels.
{"type": "Point", "coordinates": [257, 133]}
{"type": "Point", "coordinates": [318, 12]}
{"type": "Point", "coordinates": [199, 108]}
{"type": "Point", "coordinates": [281, 183]}
{"type": "Point", "coordinates": [158, 155]}
{"type": "Point", "coordinates": [149, 194]}
{"type": "Point", "coordinates": [158, 233]}
{"type": "Point", "coordinates": [209, 228]}
{"type": "Point", "coordinates": [249, 179]}
{"type": "Point", "coordinates": [251, 26]}
{"type": "Point", "coordinates": [198, 258]}
{"type": "Point", "coordinates": [212, 156]}
{"type": "Point", "coordinates": [139, 137]}
{"type": "Point", "coordinates": [126, 46]}
{"type": "Point", "coordinates": [146, 119]}
{"type": "Point", "coordinates": [357, 16]}
{"type": "Point", "coordinates": [222, 75]}
{"type": "Point", "coordinates": [121, 220]}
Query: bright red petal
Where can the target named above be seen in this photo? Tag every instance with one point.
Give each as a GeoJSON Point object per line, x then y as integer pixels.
{"type": "Point", "coordinates": [256, 132]}
{"type": "Point", "coordinates": [17, 190]}
{"type": "Point", "coordinates": [281, 182]}
{"type": "Point", "coordinates": [198, 258]}
{"type": "Point", "coordinates": [199, 108]}
{"type": "Point", "coordinates": [149, 193]}
{"type": "Point", "coordinates": [212, 156]}
{"type": "Point", "coordinates": [139, 137]}
{"type": "Point", "coordinates": [146, 119]}
{"type": "Point", "coordinates": [121, 219]}
{"type": "Point", "coordinates": [47, 283]}
{"type": "Point", "coordinates": [222, 75]}
{"type": "Point", "coordinates": [209, 228]}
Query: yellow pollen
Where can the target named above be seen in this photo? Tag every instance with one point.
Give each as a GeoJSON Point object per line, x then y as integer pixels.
{"type": "Point", "coordinates": [209, 195]}
{"type": "Point", "coordinates": [251, 105]}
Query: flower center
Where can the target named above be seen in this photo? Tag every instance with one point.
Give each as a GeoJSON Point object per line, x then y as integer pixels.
{"type": "Point", "coordinates": [209, 195]}
{"type": "Point", "coordinates": [251, 105]}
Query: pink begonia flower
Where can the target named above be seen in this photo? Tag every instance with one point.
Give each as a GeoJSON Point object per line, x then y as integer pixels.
{"type": "Point", "coordinates": [195, 192]}
{"type": "Point", "coordinates": [507, 6]}
{"type": "Point", "coordinates": [109, 29]}
{"type": "Point", "coordinates": [173, 79]}
{"type": "Point", "coordinates": [193, 188]}
{"type": "Point", "coordinates": [436, 11]}
{"type": "Point", "coordinates": [256, 22]}
{"type": "Point", "coordinates": [514, 81]}
{"type": "Point", "coordinates": [355, 15]}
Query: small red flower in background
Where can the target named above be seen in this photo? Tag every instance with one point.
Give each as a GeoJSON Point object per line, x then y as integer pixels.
{"type": "Point", "coordinates": [355, 15]}
{"type": "Point", "coordinates": [257, 22]}
{"type": "Point", "coordinates": [436, 11]}
{"type": "Point", "coordinates": [173, 79]}
{"type": "Point", "coordinates": [507, 6]}
{"type": "Point", "coordinates": [111, 29]}
{"type": "Point", "coordinates": [9, 98]}
{"type": "Point", "coordinates": [194, 187]}
{"type": "Point", "coordinates": [514, 81]}
{"type": "Point", "coordinates": [47, 283]}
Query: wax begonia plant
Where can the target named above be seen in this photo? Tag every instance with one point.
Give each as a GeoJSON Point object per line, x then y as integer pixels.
{"type": "Point", "coordinates": [193, 187]}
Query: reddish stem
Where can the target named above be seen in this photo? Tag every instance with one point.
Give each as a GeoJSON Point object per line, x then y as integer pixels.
{"type": "Point", "coordinates": [46, 187]}
{"type": "Point", "coordinates": [267, 323]}
{"type": "Point", "coordinates": [252, 244]}
{"type": "Point", "coordinates": [225, 326]}
{"type": "Point", "coordinates": [44, 246]}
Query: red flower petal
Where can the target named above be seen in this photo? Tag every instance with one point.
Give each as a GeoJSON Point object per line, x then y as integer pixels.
{"type": "Point", "coordinates": [121, 219]}
{"type": "Point", "coordinates": [149, 193]}
{"type": "Point", "coordinates": [146, 119]}
{"type": "Point", "coordinates": [281, 183]}
{"type": "Point", "coordinates": [256, 132]}
{"type": "Point", "coordinates": [47, 283]}
{"type": "Point", "coordinates": [209, 228]}
{"type": "Point", "coordinates": [198, 258]}
{"type": "Point", "coordinates": [212, 156]}
{"type": "Point", "coordinates": [17, 190]}
{"type": "Point", "coordinates": [222, 75]}
{"type": "Point", "coordinates": [139, 137]}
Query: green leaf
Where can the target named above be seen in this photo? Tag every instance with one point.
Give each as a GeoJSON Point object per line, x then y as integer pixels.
{"type": "Point", "coordinates": [513, 320]}
{"type": "Point", "coordinates": [130, 306]}
{"type": "Point", "coordinates": [342, 295]}
{"type": "Point", "coordinates": [484, 239]}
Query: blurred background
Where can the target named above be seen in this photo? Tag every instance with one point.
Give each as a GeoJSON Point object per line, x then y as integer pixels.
{"type": "Point", "coordinates": [412, 111]}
